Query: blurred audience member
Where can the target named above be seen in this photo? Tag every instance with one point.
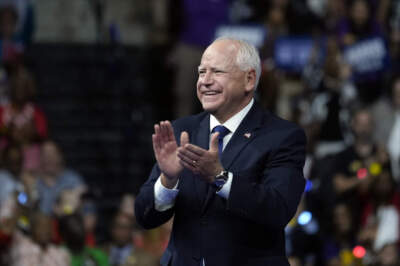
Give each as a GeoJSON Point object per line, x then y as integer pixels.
{"type": "Point", "coordinates": [394, 34]}
{"type": "Point", "coordinates": [335, 12]}
{"type": "Point", "coordinates": [154, 241]}
{"type": "Point", "coordinates": [334, 94]}
{"type": "Point", "coordinates": [358, 165]}
{"type": "Point", "coordinates": [387, 130]}
{"type": "Point", "coordinates": [57, 182]}
{"type": "Point", "coordinates": [25, 24]}
{"type": "Point", "coordinates": [389, 255]}
{"type": "Point", "coordinates": [198, 23]}
{"type": "Point", "coordinates": [10, 181]}
{"type": "Point", "coordinates": [73, 234]}
{"type": "Point", "coordinates": [21, 121]}
{"type": "Point", "coordinates": [36, 250]}
{"type": "Point", "coordinates": [127, 205]}
{"type": "Point", "coordinates": [11, 45]}
{"type": "Point", "coordinates": [339, 243]}
{"type": "Point", "coordinates": [361, 23]}
{"type": "Point", "coordinates": [276, 23]}
{"type": "Point", "coordinates": [121, 250]}
{"type": "Point", "coordinates": [380, 217]}
{"type": "Point", "coordinates": [89, 213]}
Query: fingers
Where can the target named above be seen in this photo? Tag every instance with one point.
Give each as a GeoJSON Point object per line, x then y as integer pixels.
{"type": "Point", "coordinates": [195, 149]}
{"type": "Point", "coordinates": [188, 164]}
{"type": "Point", "coordinates": [187, 155]}
{"type": "Point", "coordinates": [164, 131]}
{"type": "Point", "coordinates": [184, 138]}
{"type": "Point", "coordinates": [156, 138]}
{"type": "Point", "coordinates": [170, 131]}
{"type": "Point", "coordinates": [214, 142]}
{"type": "Point", "coordinates": [156, 147]}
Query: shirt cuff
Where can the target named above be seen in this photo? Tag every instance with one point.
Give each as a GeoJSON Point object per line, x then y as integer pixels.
{"type": "Point", "coordinates": [164, 198]}
{"type": "Point", "coordinates": [226, 188]}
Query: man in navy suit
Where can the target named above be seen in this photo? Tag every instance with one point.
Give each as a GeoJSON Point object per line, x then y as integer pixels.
{"type": "Point", "coordinates": [233, 179]}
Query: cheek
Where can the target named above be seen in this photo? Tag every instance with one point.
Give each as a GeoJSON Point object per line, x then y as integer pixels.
{"type": "Point", "coordinates": [198, 85]}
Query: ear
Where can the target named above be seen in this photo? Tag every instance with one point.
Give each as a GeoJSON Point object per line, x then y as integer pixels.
{"type": "Point", "coordinates": [250, 80]}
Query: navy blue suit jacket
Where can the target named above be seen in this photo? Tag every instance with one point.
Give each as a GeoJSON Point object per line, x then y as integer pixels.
{"type": "Point", "coordinates": [266, 156]}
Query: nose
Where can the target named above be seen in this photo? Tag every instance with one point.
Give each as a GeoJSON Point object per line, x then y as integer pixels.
{"type": "Point", "coordinates": [207, 78]}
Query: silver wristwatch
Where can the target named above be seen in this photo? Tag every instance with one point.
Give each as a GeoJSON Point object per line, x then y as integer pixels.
{"type": "Point", "coordinates": [221, 179]}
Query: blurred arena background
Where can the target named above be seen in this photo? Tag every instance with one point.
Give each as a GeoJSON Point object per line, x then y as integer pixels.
{"type": "Point", "coordinates": [83, 81]}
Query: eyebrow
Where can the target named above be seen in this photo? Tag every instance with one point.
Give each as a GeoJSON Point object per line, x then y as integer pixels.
{"type": "Point", "coordinates": [212, 68]}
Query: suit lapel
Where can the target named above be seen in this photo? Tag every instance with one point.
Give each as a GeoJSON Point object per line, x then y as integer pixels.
{"type": "Point", "coordinates": [201, 138]}
{"type": "Point", "coordinates": [242, 136]}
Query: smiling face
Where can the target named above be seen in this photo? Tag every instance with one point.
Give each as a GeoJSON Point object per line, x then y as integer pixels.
{"type": "Point", "coordinates": [222, 87]}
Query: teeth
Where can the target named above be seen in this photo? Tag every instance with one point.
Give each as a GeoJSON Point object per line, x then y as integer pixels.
{"type": "Point", "coordinates": [211, 93]}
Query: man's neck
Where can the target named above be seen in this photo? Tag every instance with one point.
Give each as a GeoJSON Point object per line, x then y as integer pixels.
{"type": "Point", "coordinates": [223, 119]}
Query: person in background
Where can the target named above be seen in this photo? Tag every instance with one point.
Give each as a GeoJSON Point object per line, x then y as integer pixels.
{"type": "Point", "coordinates": [88, 209]}
{"type": "Point", "coordinates": [36, 249]}
{"type": "Point", "coordinates": [197, 27]}
{"type": "Point", "coordinates": [386, 114]}
{"type": "Point", "coordinates": [389, 255]}
{"type": "Point", "coordinates": [11, 45]}
{"type": "Point", "coordinates": [380, 216]}
{"type": "Point", "coordinates": [341, 239]}
{"type": "Point", "coordinates": [22, 122]}
{"type": "Point", "coordinates": [355, 168]}
{"type": "Point", "coordinates": [122, 250]}
{"type": "Point", "coordinates": [10, 174]}
{"type": "Point", "coordinates": [360, 23]}
{"type": "Point", "coordinates": [55, 179]}
{"type": "Point", "coordinates": [73, 234]}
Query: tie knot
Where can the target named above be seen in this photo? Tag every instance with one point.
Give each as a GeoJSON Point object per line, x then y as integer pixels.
{"type": "Point", "coordinates": [223, 131]}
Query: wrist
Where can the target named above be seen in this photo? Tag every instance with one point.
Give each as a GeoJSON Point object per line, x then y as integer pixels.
{"type": "Point", "coordinates": [218, 171]}
{"type": "Point", "coordinates": [168, 182]}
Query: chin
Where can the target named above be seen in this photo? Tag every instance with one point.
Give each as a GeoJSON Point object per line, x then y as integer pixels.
{"type": "Point", "coordinates": [211, 108]}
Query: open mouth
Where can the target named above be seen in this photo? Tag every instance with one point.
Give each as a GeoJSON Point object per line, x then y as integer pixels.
{"type": "Point", "coordinates": [211, 93]}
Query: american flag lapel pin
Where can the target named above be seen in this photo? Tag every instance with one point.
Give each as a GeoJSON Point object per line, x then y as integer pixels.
{"type": "Point", "coordinates": [247, 135]}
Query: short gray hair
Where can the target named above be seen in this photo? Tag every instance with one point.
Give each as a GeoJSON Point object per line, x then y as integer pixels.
{"type": "Point", "coordinates": [247, 56]}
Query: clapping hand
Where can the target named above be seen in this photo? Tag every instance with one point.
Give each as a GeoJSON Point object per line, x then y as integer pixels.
{"type": "Point", "coordinates": [204, 163]}
{"type": "Point", "coordinates": [165, 150]}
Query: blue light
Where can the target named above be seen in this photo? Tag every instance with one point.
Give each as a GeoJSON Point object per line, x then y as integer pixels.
{"type": "Point", "coordinates": [304, 218]}
{"type": "Point", "coordinates": [309, 186]}
{"type": "Point", "coordinates": [22, 198]}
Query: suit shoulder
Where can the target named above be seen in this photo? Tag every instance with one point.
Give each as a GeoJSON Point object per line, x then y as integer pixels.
{"type": "Point", "coordinates": [278, 124]}
{"type": "Point", "coordinates": [188, 122]}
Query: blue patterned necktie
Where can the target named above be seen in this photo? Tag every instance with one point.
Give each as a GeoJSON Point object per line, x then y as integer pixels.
{"type": "Point", "coordinates": [223, 131]}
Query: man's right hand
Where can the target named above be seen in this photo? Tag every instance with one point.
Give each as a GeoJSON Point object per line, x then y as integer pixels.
{"type": "Point", "coordinates": [166, 150]}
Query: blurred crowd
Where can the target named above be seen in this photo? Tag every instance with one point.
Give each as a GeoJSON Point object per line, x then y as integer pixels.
{"type": "Point", "coordinates": [331, 66]}
{"type": "Point", "coordinates": [48, 215]}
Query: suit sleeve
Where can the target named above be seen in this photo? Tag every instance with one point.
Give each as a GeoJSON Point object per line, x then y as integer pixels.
{"type": "Point", "coordinates": [146, 214]}
{"type": "Point", "coordinates": [270, 194]}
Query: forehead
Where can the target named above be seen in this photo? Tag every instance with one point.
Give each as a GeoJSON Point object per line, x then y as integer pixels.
{"type": "Point", "coordinates": [219, 54]}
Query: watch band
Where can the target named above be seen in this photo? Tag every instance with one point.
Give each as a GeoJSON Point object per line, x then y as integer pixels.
{"type": "Point", "coordinates": [221, 179]}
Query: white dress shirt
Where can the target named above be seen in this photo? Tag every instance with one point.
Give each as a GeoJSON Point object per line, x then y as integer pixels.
{"type": "Point", "coordinates": [165, 198]}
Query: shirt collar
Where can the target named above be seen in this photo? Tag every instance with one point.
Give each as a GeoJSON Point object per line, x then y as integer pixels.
{"type": "Point", "coordinates": [232, 123]}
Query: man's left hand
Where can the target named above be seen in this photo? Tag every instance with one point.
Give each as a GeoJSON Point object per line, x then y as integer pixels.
{"type": "Point", "coordinates": [204, 163]}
